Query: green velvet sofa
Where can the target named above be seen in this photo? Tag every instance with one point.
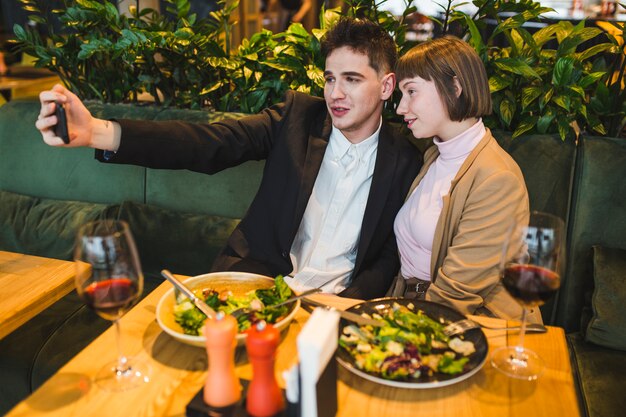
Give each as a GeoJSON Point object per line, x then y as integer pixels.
{"type": "Point", "coordinates": [180, 220]}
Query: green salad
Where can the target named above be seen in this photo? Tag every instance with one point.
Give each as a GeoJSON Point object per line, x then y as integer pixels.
{"type": "Point", "coordinates": [260, 301]}
{"type": "Point", "coordinates": [408, 346]}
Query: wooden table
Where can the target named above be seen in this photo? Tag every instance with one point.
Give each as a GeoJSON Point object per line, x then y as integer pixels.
{"type": "Point", "coordinates": [178, 372]}
{"type": "Point", "coordinates": [22, 87]}
{"type": "Point", "coordinates": [28, 285]}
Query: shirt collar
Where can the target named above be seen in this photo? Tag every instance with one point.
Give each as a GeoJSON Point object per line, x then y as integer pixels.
{"type": "Point", "coordinates": [339, 144]}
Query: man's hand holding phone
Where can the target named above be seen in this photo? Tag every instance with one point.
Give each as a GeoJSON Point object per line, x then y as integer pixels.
{"type": "Point", "coordinates": [64, 120]}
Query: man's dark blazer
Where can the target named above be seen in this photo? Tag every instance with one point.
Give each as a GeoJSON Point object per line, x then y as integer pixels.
{"type": "Point", "coordinates": [292, 137]}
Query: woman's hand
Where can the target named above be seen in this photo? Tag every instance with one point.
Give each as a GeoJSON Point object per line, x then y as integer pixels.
{"type": "Point", "coordinates": [80, 123]}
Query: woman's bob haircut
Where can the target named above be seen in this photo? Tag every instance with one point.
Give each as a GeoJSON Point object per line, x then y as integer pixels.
{"type": "Point", "coordinates": [443, 60]}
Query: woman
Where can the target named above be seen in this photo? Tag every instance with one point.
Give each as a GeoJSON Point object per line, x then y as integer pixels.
{"type": "Point", "coordinates": [452, 227]}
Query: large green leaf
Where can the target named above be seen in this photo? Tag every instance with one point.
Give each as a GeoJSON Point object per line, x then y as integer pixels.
{"type": "Point", "coordinates": [543, 123]}
{"type": "Point", "coordinates": [593, 51]}
{"type": "Point", "coordinates": [507, 109]}
{"type": "Point", "coordinates": [590, 79]}
{"type": "Point", "coordinates": [524, 126]}
{"type": "Point", "coordinates": [564, 128]}
{"type": "Point", "coordinates": [563, 69]}
{"type": "Point", "coordinates": [475, 38]}
{"type": "Point", "coordinates": [497, 83]}
{"type": "Point", "coordinates": [547, 96]}
{"type": "Point", "coordinates": [562, 101]}
{"type": "Point", "coordinates": [579, 35]}
{"type": "Point", "coordinates": [530, 94]}
{"type": "Point", "coordinates": [544, 35]}
{"type": "Point", "coordinates": [516, 66]}
{"type": "Point", "coordinates": [577, 90]}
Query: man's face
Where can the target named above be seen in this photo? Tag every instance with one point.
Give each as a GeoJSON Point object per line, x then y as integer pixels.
{"type": "Point", "coordinates": [355, 93]}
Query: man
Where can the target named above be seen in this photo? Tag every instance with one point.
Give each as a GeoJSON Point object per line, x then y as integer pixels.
{"type": "Point", "coordinates": [335, 174]}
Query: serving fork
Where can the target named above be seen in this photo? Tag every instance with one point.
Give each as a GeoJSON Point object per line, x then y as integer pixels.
{"type": "Point", "coordinates": [464, 325]}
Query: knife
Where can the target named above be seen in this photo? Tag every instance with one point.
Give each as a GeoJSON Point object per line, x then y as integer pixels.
{"type": "Point", "coordinates": [198, 302]}
{"type": "Point", "coordinates": [353, 317]}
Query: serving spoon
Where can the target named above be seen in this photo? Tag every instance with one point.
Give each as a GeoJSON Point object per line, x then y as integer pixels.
{"type": "Point", "coordinates": [198, 302]}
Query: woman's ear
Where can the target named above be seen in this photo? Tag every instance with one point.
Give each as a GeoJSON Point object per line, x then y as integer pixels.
{"type": "Point", "coordinates": [457, 87]}
{"type": "Point", "coordinates": [388, 85]}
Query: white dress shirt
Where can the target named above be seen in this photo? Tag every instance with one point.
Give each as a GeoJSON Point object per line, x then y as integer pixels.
{"type": "Point", "coordinates": [325, 247]}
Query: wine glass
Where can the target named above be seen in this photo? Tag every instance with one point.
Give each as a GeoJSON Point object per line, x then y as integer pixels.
{"type": "Point", "coordinates": [110, 281]}
{"type": "Point", "coordinates": [532, 259]}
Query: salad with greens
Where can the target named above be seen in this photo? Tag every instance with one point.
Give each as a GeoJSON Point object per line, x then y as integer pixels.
{"type": "Point", "coordinates": [408, 346]}
{"type": "Point", "coordinates": [260, 302]}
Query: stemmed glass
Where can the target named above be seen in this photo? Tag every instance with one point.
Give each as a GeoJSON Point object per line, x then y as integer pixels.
{"type": "Point", "coordinates": [110, 281]}
{"type": "Point", "coordinates": [532, 259]}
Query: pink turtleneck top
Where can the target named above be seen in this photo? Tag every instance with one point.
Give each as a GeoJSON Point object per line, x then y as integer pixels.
{"type": "Point", "coordinates": [416, 221]}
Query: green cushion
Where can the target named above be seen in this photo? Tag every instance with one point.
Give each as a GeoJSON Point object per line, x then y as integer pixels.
{"type": "Point", "coordinates": [184, 243]}
{"type": "Point", "coordinates": [608, 323]}
{"type": "Point", "coordinates": [600, 374]}
{"type": "Point", "coordinates": [45, 227]}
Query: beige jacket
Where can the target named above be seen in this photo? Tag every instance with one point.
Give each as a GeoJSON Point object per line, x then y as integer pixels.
{"type": "Point", "coordinates": [486, 194]}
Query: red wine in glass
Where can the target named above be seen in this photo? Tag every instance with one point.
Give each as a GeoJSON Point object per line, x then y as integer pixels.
{"type": "Point", "coordinates": [531, 264]}
{"type": "Point", "coordinates": [111, 298]}
{"type": "Point", "coordinates": [530, 285]}
{"type": "Point", "coordinates": [110, 281]}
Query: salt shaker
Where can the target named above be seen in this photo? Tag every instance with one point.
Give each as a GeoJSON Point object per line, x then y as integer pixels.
{"type": "Point", "coordinates": [264, 397]}
{"type": "Point", "coordinates": [222, 386]}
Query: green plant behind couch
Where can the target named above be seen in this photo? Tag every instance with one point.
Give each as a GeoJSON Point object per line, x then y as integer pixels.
{"type": "Point", "coordinates": [185, 63]}
{"type": "Point", "coordinates": [542, 81]}
{"type": "Point", "coordinates": [560, 79]}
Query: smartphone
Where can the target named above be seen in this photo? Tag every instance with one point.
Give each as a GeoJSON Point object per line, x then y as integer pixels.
{"type": "Point", "coordinates": [61, 129]}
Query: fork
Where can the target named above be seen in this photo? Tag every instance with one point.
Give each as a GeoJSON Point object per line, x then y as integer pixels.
{"type": "Point", "coordinates": [243, 310]}
{"type": "Point", "coordinates": [464, 325]}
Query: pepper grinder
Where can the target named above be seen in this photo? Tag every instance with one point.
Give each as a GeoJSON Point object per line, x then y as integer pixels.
{"type": "Point", "coordinates": [222, 386]}
{"type": "Point", "coordinates": [264, 397]}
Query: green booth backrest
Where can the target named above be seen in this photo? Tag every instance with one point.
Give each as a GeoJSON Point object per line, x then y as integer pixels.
{"type": "Point", "coordinates": [547, 164]}
{"type": "Point", "coordinates": [227, 193]}
{"type": "Point", "coordinates": [32, 168]}
{"type": "Point", "coordinates": [598, 218]}
{"type": "Point", "coordinates": [29, 166]}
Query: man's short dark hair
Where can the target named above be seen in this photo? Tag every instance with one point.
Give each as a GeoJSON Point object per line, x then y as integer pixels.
{"type": "Point", "coordinates": [366, 37]}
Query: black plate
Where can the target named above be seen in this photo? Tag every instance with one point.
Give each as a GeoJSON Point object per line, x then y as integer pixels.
{"type": "Point", "coordinates": [435, 311]}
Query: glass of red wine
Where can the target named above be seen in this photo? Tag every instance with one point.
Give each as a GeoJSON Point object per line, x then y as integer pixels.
{"type": "Point", "coordinates": [110, 281]}
{"type": "Point", "coordinates": [532, 260]}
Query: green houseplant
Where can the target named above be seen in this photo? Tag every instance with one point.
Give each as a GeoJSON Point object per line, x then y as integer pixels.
{"type": "Point", "coordinates": [558, 79]}
{"type": "Point", "coordinates": [541, 82]}
{"type": "Point", "coordinates": [608, 103]}
{"type": "Point", "coordinates": [184, 63]}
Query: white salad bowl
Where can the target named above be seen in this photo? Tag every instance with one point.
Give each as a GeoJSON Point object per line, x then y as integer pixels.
{"type": "Point", "coordinates": [237, 282]}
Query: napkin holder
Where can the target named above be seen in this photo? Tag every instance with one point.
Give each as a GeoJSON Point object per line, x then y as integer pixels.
{"type": "Point", "coordinates": [317, 382]}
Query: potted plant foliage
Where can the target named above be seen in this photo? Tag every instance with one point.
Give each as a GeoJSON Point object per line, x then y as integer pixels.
{"type": "Point", "coordinates": [555, 80]}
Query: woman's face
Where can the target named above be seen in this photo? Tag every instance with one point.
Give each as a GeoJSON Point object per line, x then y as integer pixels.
{"type": "Point", "coordinates": [424, 112]}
